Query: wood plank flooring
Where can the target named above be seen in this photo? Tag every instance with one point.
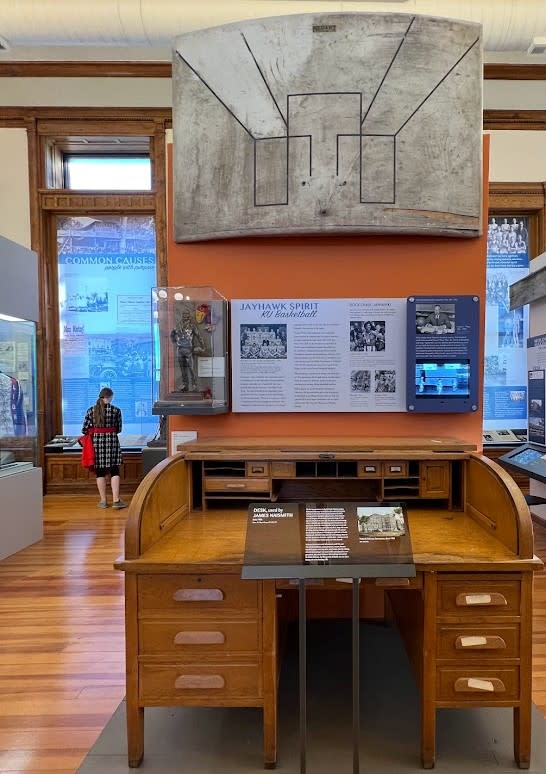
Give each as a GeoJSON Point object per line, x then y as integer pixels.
{"type": "Point", "coordinates": [62, 640]}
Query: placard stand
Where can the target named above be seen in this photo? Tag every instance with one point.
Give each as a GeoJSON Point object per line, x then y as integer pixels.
{"type": "Point", "coordinates": [282, 537]}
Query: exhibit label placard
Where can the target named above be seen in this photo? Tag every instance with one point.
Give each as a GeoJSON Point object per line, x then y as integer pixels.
{"type": "Point", "coordinates": [326, 539]}
{"type": "Point", "coordinates": [335, 355]}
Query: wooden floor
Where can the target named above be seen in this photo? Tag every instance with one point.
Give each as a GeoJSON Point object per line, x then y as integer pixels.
{"type": "Point", "coordinates": [62, 644]}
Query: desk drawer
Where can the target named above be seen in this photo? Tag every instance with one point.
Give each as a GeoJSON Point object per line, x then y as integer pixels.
{"type": "Point", "coordinates": [472, 643]}
{"type": "Point", "coordinates": [476, 597]}
{"type": "Point", "coordinates": [237, 484]}
{"type": "Point", "coordinates": [478, 684]}
{"type": "Point", "coordinates": [369, 469]}
{"type": "Point", "coordinates": [198, 684]}
{"type": "Point", "coordinates": [196, 594]}
{"type": "Point", "coordinates": [395, 468]}
{"type": "Point", "coordinates": [218, 638]}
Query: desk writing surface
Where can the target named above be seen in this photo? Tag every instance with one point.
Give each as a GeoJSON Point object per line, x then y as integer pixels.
{"type": "Point", "coordinates": [214, 541]}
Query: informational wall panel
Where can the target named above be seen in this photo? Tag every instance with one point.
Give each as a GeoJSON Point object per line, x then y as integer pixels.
{"type": "Point", "coordinates": [322, 123]}
{"type": "Point", "coordinates": [318, 355]}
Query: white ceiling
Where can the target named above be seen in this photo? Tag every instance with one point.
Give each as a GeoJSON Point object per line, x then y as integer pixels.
{"type": "Point", "coordinates": [145, 29]}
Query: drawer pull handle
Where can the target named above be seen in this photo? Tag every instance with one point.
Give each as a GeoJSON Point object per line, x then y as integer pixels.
{"type": "Point", "coordinates": [235, 486]}
{"type": "Point", "coordinates": [480, 643]}
{"type": "Point", "coordinates": [198, 595]}
{"type": "Point", "coordinates": [257, 469]}
{"type": "Point", "coordinates": [395, 469]}
{"type": "Point", "coordinates": [479, 685]}
{"type": "Point", "coordinates": [200, 681]}
{"type": "Point", "coordinates": [199, 638]}
{"type": "Point", "coordinates": [370, 469]}
{"type": "Point", "coordinates": [494, 599]}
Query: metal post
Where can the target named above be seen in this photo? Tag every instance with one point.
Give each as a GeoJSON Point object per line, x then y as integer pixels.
{"type": "Point", "coordinates": [302, 625]}
{"type": "Point", "coordinates": [356, 675]}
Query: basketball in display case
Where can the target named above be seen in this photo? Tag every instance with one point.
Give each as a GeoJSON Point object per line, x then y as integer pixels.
{"type": "Point", "coordinates": [190, 351]}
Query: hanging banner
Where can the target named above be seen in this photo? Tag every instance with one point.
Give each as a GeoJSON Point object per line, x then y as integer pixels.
{"type": "Point", "coordinates": [505, 369]}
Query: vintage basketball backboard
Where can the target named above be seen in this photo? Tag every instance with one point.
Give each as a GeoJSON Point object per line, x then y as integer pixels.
{"type": "Point", "coordinates": [328, 123]}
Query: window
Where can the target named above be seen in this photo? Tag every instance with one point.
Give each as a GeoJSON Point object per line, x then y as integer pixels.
{"type": "Point", "coordinates": [106, 269]}
{"type": "Point", "coordinates": [107, 172]}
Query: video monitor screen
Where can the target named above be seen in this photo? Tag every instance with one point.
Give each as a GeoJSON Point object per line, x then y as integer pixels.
{"type": "Point", "coordinates": [442, 379]}
{"type": "Point", "coordinates": [526, 456]}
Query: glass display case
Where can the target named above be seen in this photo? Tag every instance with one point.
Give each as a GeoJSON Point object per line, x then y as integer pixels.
{"type": "Point", "coordinates": [18, 428]}
{"type": "Point", "coordinates": [190, 355]}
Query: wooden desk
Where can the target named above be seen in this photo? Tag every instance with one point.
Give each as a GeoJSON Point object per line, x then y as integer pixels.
{"type": "Point", "coordinates": [198, 635]}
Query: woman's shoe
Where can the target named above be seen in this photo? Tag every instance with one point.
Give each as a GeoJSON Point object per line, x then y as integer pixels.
{"type": "Point", "coordinates": [119, 504]}
{"type": "Point", "coordinates": [102, 504]}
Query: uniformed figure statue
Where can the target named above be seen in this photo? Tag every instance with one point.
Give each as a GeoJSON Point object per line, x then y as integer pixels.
{"type": "Point", "coordinates": [189, 343]}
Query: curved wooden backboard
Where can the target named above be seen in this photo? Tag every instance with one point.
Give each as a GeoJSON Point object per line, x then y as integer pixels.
{"type": "Point", "coordinates": [328, 123]}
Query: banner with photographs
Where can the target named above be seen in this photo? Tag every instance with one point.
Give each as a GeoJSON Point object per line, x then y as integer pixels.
{"type": "Point", "coordinates": [536, 364]}
{"type": "Point", "coordinates": [106, 267]}
{"type": "Point", "coordinates": [318, 355]}
{"type": "Point", "coordinates": [443, 336]}
{"type": "Point", "coordinates": [505, 367]}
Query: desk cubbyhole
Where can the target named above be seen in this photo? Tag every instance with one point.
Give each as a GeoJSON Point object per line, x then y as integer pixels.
{"type": "Point", "coordinates": [413, 469]}
{"type": "Point", "coordinates": [306, 469]}
{"type": "Point", "coordinates": [288, 490]}
{"type": "Point", "coordinates": [326, 469]}
{"type": "Point", "coordinates": [224, 468]}
{"type": "Point", "coordinates": [347, 469]}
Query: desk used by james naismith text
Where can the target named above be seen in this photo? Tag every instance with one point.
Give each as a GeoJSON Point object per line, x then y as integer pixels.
{"type": "Point", "coordinates": [199, 635]}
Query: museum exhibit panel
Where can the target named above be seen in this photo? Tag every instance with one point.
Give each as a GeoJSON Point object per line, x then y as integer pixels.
{"type": "Point", "coordinates": [190, 354]}
{"type": "Point", "coordinates": [20, 476]}
{"type": "Point", "coordinates": [199, 635]}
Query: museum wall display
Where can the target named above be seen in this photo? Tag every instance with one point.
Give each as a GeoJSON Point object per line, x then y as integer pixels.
{"type": "Point", "coordinates": [328, 123]}
{"type": "Point", "coordinates": [311, 268]}
{"type": "Point", "coordinates": [20, 477]}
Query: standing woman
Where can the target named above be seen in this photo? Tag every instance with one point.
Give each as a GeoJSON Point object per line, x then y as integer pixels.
{"type": "Point", "coordinates": [103, 422]}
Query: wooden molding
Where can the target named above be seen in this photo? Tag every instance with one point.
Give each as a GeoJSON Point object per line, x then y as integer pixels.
{"type": "Point", "coordinates": [70, 201]}
{"type": "Point", "coordinates": [492, 71]}
{"type": "Point", "coordinates": [109, 69]}
{"type": "Point", "coordinates": [522, 197]}
{"type": "Point", "coordinates": [497, 71]}
{"type": "Point", "coordinates": [514, 119]}
{"type": "Point", "coordinates": [11, 116]}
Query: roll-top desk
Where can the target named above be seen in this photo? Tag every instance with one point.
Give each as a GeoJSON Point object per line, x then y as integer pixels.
{"type": "Point", "coordinates": [198, 635]}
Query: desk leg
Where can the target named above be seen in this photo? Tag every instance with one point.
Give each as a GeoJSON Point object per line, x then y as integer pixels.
{"type": "Point", "coordinates": [302, 625]}
{"type": "Point", "coordinates": [522, 735]}
{"type": "Point", "coordinates": [428, 680]}
{"type": "Point", "coordinates": [522, 714]}
{"type": "Point", "coordinates": [135, 713]}
{"type": "Point", "coordinates": [356, 675]}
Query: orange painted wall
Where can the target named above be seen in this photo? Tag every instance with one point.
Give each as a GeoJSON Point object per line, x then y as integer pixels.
{"type": "Point", "coordinates": [335, 267]}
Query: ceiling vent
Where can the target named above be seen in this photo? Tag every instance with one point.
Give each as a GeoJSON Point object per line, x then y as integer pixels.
{"type": "Point", "coordinates": [538, 46]}
{"type": "Point", "coordinates": [4, 45]}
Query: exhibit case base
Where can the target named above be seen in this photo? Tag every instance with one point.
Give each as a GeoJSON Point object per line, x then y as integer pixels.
{"type": "Point", "coordinates": [21, 520]}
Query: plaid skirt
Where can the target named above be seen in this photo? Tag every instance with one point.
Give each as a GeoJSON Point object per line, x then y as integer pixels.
{"type": "Point", "coordinates": [106, 445]}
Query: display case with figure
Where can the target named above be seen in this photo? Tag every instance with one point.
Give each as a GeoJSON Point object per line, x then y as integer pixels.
{"type": "Point", "coordinates": [190, 351]}
{"type": "Point", "coordinates": [18, 432]}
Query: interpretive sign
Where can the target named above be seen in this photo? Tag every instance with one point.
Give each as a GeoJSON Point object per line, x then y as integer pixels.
{"type": "Point", "coordinates": [327, 539]}
{"type": "Point", "coordinates": [318, 355]}
{"type": "Point", "coordinates": [443, 348]}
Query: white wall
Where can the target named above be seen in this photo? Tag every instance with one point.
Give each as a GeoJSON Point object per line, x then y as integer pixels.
{"type": "Point", "coordinates": [14, 186]}
{"type": "Point", "coordinates": [514, 95]}
{"type": "Point", "coordinates": [86, 92]}
{"type": "Point", "coordinates": [517, 156]}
